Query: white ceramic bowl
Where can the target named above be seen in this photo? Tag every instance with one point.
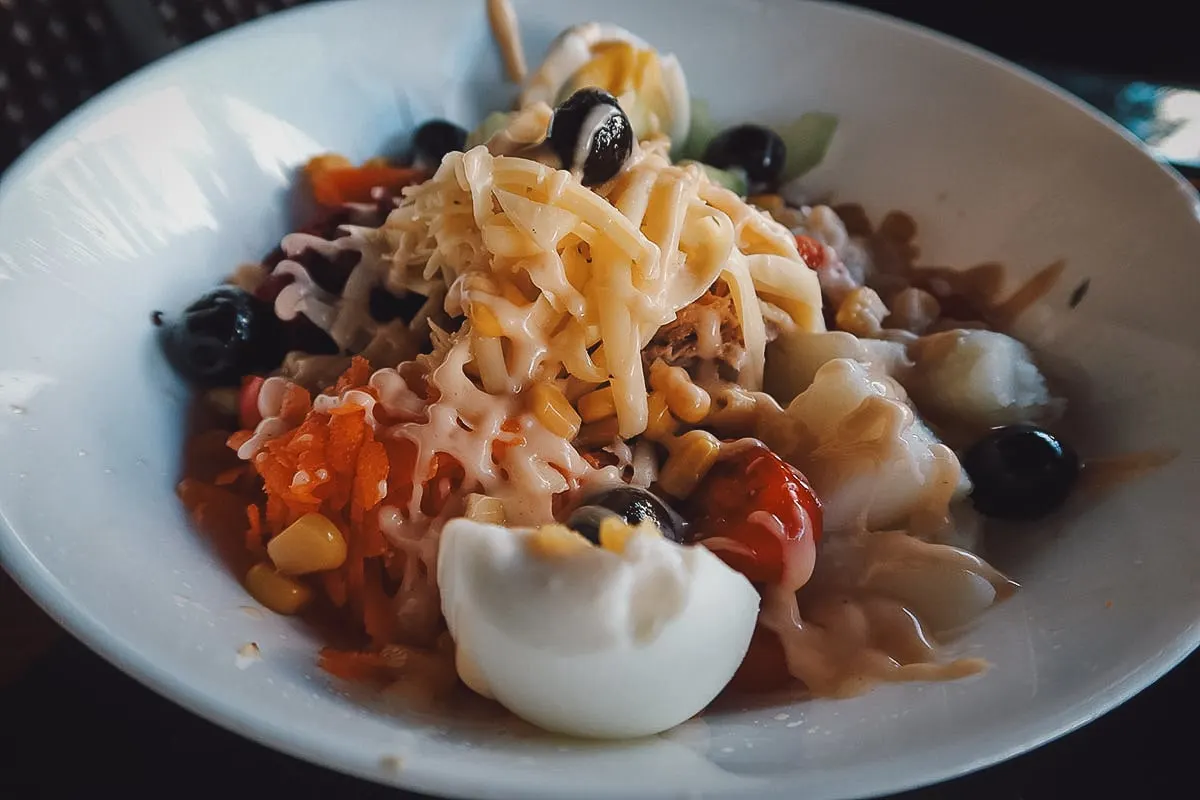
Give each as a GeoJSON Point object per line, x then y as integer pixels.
{"type": "Point", "coordinates": [155, 190]}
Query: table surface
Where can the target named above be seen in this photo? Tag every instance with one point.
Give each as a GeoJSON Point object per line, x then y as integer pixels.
{"type": "Point", "coordinates": [70, 723]}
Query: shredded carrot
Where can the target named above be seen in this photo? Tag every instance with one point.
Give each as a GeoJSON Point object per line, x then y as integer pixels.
{"type": "Point", "coordinates": [374, 544]}
{"type": "Point", "coordinates": [356, 375]}
{"type": "Point", "coordinates": [254, 533]}
{"type": "Point", "coordinates": [370, 477]}
{"type": "Point", "coordinates": [230, 476]}
{"type": "Point", "coordinates": [378, 616]}
{"type": "Point", "coordinates": [335, 586]}
{"type": "Point", "coordinates": [355, 571]}
{"type": "Point", "coordinates": [296, 403]}
{"type": "Point", "coordinates": [238, 439]}
{"type": "Point", "coordinates": [337, 185]}
{"type": "Point", "coordinates": [347, 431]}
{"type": "Point", "coordinates": [354, 666]}
{"type": "Point", "coordinates": [330, 462]}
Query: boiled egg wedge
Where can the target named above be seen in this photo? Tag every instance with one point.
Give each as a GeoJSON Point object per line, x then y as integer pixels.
{"type": "Point", "coordinates": [626, 639]}
{"type": "Point", "coordinates": [650, 87]}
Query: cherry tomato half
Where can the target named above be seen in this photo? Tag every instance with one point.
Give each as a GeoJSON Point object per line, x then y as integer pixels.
{"type": "Point", "coordinates": [759, 515]}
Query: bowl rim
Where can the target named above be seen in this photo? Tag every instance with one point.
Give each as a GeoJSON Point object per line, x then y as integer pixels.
{"type": "Point", "coordinates": [46, 590]}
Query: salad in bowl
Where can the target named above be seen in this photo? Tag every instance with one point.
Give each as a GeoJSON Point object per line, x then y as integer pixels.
{"type": "Point", "coordinates": [598, 392]}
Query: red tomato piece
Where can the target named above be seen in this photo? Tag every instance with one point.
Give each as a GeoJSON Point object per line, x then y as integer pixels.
{"type": "Point", "coordinates": [764, 669]}
{"type": "Point", "coordinates": [812, 251]}
{"type": "Point", "coordinates": [759, 515]}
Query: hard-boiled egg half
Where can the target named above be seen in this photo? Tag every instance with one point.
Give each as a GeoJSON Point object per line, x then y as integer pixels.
{"type": "Point", "coordinates": [620, 640]}
{"type": "Point", "coordinates": [650, 87]}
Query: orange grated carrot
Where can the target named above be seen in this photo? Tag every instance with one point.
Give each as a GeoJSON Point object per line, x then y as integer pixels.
{"type": "Point", "coordinates": [331, 463]}
{"type": "Point", "coordinates": [370, 477]}
{"type": "Point", "coordinates": [354, 587]}
{"type": "Point", "coordinates": [254, 533]}
{"type": "Point", "coordinates": [230, 476]}
{"type": "Point", "coordinates": [355, 376]}
{"type": "Point", "coordinates": [295, 404]}
{"type": "Point", "coordinates": [374, 544]}
{"type": "Point", "coordinates": [347, 431]}
{"type": "Point", "coordinates": [354, 665]}
{"type": "Point", "coordinates": [338, 185]}
{"type": "Point", "coordinates": [238, 439]}
{"type": "Point", "coordinates": [335, 586]}
{"type": "Point", "coordinates": [378, 617]}
{"type": "Point", "coordinates": [402, 461]}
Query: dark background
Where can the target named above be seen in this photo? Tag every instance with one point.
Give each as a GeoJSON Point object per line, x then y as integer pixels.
{"type": "Point", "coordinates": [71, 725]}
{"type": "Point", "coordinates": [1151, 39]}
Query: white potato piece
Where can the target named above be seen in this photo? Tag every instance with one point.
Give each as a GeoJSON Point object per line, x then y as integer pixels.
{"type": "Point", "coordinates": [873, 463]}
{"type": "Point", "coordinates": [794, 358]}
{"type": "Point", "coordinates": [973, 380]}
{"type": "Point", "coordinates": [946, 587]}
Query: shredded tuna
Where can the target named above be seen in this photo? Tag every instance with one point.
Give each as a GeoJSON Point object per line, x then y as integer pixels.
{"type": "Point", "coordinates": [682, 343]}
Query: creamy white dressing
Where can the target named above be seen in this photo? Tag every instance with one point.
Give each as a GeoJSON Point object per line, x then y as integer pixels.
{"type": "Point", "coordinates": [871, 610]}
{"type": "Point", "coordinates": [593, 123]}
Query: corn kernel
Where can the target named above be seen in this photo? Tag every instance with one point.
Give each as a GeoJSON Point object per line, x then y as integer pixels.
{"type": "Point", "coordinates": [660, 426]}
{"type": "Point", "coordinates": [484, 508]}
{"type": "Point", "coordinates": [686, 400]}
{"type": "Point", "coordinates": [278, 592]}
{"type": "Point", "coordinates": [310, 544]}
{"type": "Point", "coordinates": [485, 321]}
{"type": "Point", "coordinates": [556, 541]}
{"type": "Point", "coordinates": [553, 410]}
{"type": "Point", "coordinates": [692, 456]}
{"type": "Point", "coordinates": [771, 203]}
{"type": "Point", "coordinates": [598, 405]}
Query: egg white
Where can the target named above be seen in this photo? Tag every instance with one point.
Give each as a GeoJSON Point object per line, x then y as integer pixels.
{"type": "Point", "coordinates": [593, 643]}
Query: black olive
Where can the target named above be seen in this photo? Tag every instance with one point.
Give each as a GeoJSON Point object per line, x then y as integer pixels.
{"type": "Point", "coordinates": [585, 520]}
{"type": "Point", "coordinates": [434, 139]}
{"type": "Point", "coordinates": [630, 504]}
{"type": "Point", "coordinates": [1020, 472]}
{"type": "Point", "coordinates": [224, 335]}
{"type": "Point", "coordinates": [757, 151]}
{"type": "Point", "coordinates": [385, 306]}
{"type": "Point", "coordinates": [591, 123]}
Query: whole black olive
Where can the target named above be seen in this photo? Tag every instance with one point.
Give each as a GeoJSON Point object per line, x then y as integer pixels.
{"type": "Point", "coordinates": [1020, 472]}
{"type": "Point", "coordinates": [586, 520]}
{"type": "Point", "coordinates": [224, 335]}
{"type": "Point", "coordinates": [590, 133]}
{"type": "Point", "coordinates": [753, 149]}
{"type": "Point", "coordinates": [630, 504]}
{"type": "Point", "coordinates": [434, 139]}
